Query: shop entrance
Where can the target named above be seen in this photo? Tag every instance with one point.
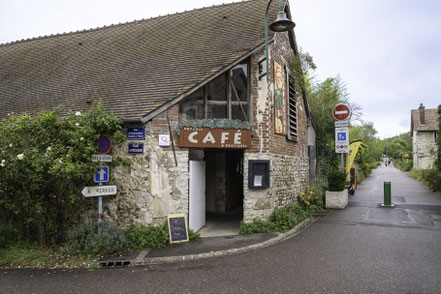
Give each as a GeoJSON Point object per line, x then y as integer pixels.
{"type": "Point", "coordinates": [223, 192]}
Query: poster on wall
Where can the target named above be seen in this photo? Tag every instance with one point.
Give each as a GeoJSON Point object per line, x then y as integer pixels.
{"type": "Point", "coordinates": [279, 99]}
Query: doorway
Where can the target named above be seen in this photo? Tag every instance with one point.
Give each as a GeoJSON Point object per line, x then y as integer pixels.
{"type": "Point", "coordinates": [223, 199]}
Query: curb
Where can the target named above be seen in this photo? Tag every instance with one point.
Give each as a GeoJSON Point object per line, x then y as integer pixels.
{"type": "Point", "coordinates": [142, 260]}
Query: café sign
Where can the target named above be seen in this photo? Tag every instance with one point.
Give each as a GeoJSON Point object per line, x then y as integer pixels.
{"type": "Point", "coordinates": [214, 138]}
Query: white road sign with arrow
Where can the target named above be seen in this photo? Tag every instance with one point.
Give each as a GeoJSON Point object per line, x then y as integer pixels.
{"type": "Point", "coordinates": [96, 191]}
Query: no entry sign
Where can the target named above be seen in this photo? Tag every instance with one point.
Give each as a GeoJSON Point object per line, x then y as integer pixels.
{"type": "Point", "coordinates": [341, 112]}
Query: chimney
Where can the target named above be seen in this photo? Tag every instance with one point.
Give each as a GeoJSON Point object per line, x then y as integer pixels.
{"type": "Point", "coordinates": [422, 114]}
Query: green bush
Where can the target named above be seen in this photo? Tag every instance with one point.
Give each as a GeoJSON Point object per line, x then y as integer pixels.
{"type": "Point", "coordinates": [281, 220]}
{"type": "Point", "coordinates": [141, 237]}
{"type": "Point", "coordinates": [289, 216]}
{"type": "Point", "coordinates": [85, 240]}
{"type": "Point", "coordinates": [336, 180]}
{"type": "Point", "coordinates": [429, 177]}
{"type": "Point", "coordinates": [257, 226]}
{"type": "Point", "coordinates": [8, 235]}
{"type": "Point", "coordinates": [45, 160]}
{"type": "Point", "coordinates": [192, 235]}
{"type": "Point", "coordinates": [313, 197]}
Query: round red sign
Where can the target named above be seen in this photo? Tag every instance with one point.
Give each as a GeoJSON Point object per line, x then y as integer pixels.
{"type": "Point", "coordinates": [103, 144]}
{"type": "Point", "coordinates": [341, 112]}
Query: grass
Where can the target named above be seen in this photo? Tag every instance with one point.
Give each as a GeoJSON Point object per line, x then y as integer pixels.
{"type": "Point", "coordinates": [31, 256]}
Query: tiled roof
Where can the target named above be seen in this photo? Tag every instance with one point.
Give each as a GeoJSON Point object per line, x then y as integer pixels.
{"type": "Point", "coordinates": [132, 68]}
{"type": "Point", "coordinates": [431, 120]}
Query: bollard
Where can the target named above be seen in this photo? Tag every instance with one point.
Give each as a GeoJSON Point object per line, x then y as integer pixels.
{"type": "Point", "coordinates": [387, 195]}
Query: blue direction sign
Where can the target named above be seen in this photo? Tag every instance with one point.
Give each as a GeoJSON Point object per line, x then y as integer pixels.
{"type": "Point", "coordinates": [102, 174]}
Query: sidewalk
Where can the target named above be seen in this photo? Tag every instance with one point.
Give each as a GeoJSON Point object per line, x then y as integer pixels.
{"type": "Point", "coordinates": [216, 246]}
{"type": "Point", "coordinates": [415, 206]}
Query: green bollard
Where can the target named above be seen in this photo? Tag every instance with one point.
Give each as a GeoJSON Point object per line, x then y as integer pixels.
{"type": "Point", "coordinates": [387, 195]}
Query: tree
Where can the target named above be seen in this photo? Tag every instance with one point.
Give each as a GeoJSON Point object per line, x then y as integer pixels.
{"type": "Point", "coordinates": [44, 162]}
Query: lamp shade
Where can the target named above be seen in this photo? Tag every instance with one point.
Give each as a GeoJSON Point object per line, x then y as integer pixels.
{"type": "Point", "coordinates": [282, 23]}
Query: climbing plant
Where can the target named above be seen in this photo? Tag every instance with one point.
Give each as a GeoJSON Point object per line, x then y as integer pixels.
{"type": "Point", "coordinates": [44, 161]}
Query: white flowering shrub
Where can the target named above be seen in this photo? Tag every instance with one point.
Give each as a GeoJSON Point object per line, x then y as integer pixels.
{"type": "Point", "coordinates": [44, 161]}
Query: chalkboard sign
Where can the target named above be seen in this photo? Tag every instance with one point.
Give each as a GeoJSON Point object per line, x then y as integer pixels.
{"type": "Point", "coordinates": [177, 228]}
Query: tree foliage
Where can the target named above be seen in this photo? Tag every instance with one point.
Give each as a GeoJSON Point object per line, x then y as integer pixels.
{"type": "Point", "coordinates": [45, 160]}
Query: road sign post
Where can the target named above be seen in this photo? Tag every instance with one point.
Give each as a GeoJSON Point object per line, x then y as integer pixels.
{"type": "Point", "coordinates": [102, 174]}
{"type": "Point", "coordinates": [341, 113]}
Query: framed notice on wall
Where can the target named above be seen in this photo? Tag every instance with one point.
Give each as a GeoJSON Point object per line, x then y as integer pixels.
{"type": "Point", "coordinates": [279, 99]}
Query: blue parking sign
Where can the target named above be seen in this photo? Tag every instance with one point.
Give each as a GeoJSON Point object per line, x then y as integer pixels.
{"type": "Point", "coordinates": [102, 174]}
{"type": "Point", "coordinates": [341, 136]}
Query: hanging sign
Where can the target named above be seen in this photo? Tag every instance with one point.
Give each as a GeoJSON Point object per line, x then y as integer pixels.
{"type": "Point", "coordinates": [136, 133]}
{"type": "Point", "coordinates": [214, 138]}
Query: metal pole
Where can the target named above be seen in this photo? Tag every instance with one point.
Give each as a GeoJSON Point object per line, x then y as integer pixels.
{"type": "Point", "coordinates": [387, 194]}
{"type": "Point", "coordinates": [100, 213]}
{"type": "Point", "coordinates": [342, 161]}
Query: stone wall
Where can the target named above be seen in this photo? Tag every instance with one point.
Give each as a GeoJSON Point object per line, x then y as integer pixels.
{"type": "Point", "coordinates": [289, 161]}
{"type": "Point", "coordinates": [152, 186]}
{"type": "Point", "coordinates": [288, 178]}
{"type": "Point", "coordinates": [426, 149]}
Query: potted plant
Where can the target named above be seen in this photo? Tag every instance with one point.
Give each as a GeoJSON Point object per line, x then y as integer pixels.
{"type": "Point", "coordinates": [336, 194]}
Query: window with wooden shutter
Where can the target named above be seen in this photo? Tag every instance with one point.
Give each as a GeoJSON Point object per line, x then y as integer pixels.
{"type": "Point", "coordinates": [292, 111]}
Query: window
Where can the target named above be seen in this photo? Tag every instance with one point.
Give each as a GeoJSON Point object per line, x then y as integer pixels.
{"type": "Point", "coordinates": [292, 111]}
{"type": "Point", "coordinates": [224, 97]}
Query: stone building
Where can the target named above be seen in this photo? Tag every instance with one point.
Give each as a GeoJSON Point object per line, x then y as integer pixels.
{"type": "Point", "coordinates": [424, 129]}
{"type": "Point", "coordinates": [208, 134]}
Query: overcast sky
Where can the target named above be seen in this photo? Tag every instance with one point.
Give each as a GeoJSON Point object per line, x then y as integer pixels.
{"type": "Point", "coordinates": [388, 52]}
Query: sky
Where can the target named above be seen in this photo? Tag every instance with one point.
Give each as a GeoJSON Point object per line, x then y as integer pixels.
{"type": "Point", "coordinates": [387, 52]}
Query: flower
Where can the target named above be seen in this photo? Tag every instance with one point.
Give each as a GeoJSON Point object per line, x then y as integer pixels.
{"type": "Point", "coordinates": [77, 124]}
{"type": "Point", "coordinates": [10, 145]}
{"type": "Point", "coordinates": [77, 113]}
{"type": "Point", "coordinates": [81, 139]}
{"type": "Point", "coordinates": [49, 148]}
{"type": "Point", "coordinates": [3, 163]}
{"type": "Point", "coordinates": [20, 156]}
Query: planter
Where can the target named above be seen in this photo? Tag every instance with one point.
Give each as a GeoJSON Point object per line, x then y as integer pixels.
{"type": "Point", "coordinates": [337, 199]}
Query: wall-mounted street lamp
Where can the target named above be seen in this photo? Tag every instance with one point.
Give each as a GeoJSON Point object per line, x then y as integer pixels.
{"type": "Point", "coordinates": [281, 24]}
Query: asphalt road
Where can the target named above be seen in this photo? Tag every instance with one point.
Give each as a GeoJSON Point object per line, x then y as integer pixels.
{"type": "Point", "coordinates": [362, 249]}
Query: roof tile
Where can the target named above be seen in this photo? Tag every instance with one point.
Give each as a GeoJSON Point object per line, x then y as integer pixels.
{"type": "Point", "coordinates": [133, 67]}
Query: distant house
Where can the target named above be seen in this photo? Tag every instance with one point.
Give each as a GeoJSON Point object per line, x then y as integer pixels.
{"type": "Point", "coordinates": [424, 128]}
{"type": "Point", "coordinates": [207, 132]}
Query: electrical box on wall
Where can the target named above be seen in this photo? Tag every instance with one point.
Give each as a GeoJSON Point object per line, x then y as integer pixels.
{"type": "Point", "coordinates": [258, 174]}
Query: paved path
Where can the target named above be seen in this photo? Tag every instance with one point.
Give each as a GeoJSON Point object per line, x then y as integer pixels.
{"type": "Point", "coordinates": [405, 190]}
{"type": "Point", "coordinates": [361, 249]}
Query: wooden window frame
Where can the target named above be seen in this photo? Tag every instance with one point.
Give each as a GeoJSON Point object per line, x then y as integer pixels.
{"type": "Point", "coordinates": [292, 118]}
{"type": "Point", "coordinates": [230, 100]}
